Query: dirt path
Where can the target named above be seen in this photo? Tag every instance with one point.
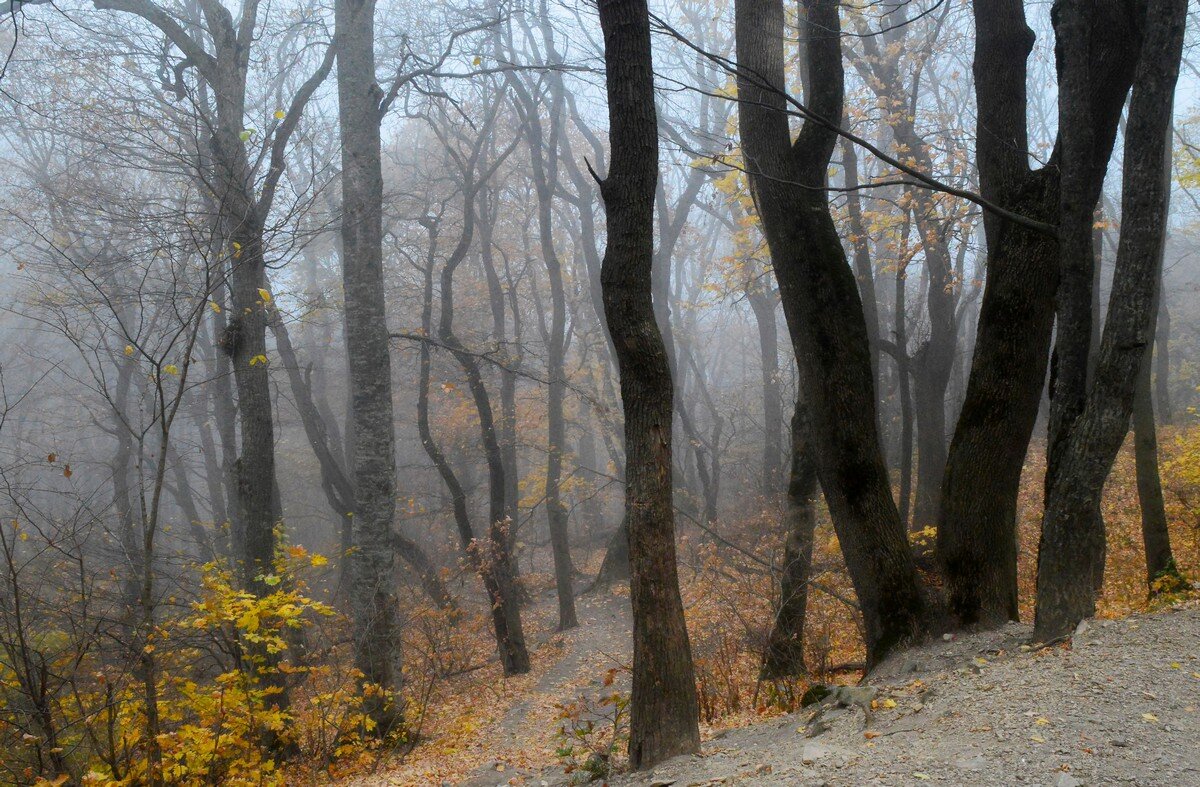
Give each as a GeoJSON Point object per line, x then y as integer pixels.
{"type": "Point", "coordinates": [1120, 706]}
{"type": "Point", "coordinates": [602, 641]}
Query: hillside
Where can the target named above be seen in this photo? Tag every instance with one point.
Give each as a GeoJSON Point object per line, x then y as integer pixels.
{"type": "Point", "coordinates": [1121, 705]}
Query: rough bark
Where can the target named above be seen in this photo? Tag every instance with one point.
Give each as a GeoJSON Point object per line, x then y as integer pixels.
{"type": "Point", "coordinates": [664, 709]}
{"type": "Point", "coordinates": [1071, 525]}
{"type": "Point", "coordinates": [977, 544]}
{"type": "Point", "coordinates": [377, 644]}
{"type": "Point", "coordinates": [823, 308]}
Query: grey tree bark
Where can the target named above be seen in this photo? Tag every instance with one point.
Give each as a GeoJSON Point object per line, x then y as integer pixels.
{"type": "Point", "coordinates": [377, 644]}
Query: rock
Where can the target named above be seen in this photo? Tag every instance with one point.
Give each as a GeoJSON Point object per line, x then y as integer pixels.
{"type": "Point", "coordinates": [1119, 742]}
{"type": "Point", "coordinates": [661, 782]}
{"type": "Point", "coordinates": [1067, 780]}
{"type": "Point", "coordinates": [976, 763]}
{"type": "Point", "coordinates": [814, 752]}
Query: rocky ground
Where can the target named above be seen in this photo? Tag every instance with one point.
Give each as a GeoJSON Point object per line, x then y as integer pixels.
{"type": "Point", "coordinates": [1118, 705]}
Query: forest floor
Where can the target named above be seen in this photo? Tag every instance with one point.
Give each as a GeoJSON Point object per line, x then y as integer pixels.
{"type": "Point", "coordinates": [1120, 704]}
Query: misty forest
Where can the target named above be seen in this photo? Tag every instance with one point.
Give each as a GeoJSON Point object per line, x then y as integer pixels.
{"type": "Point", "coordinates": [554, 391]}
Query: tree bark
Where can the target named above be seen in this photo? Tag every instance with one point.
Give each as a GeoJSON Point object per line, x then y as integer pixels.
{"type": "Point", "coordinates": [1071, 525]}
{"type": "Point", "coordinates": [1160, 562]}
{"type": "Point", "coordinates": [664, 710]}
{"type": "Point", "coordinates": [977, 544]}
{"type": "Point", "coordinates": [377, 642]}
{"type": "Point", "coordinates": [823, 308]}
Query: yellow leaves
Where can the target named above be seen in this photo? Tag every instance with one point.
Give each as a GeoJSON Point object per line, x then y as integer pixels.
{"type": "Point", "coordinates": [448, 387]}
{"type": "Point", "coordinates": [237, 250]}
{"type": "Point", "coordinates": [258, 360]}
{"type": "Point", "coordinates": [249, 621]}
{"type": "Point", "coordinates": [1149, 717]}
{"type": "Point", "coordinates": [280, 114]}
{"type": "Point", "coordinates": [171, 369]}
{"type": "Point", "coordinates": [128, 349]}
{"type": "Point", "coordinates": [1041, 721]}
{"type": "Point", "coordinates": [264, 295]}
{"type": "Point", "coordinates": [318, 560]}
{"type": "Point", "coordinates": [216, 307]}
{"type": "Point", "coordinates": [476, 60]}
{"type": "Point", "coordinates": [1037, 739]}
{"type": "Point", "coordinates": [1176, 665]}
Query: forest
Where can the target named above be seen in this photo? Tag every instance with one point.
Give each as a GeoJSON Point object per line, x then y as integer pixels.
{"type": "Point", "coordinates": [567, 391]}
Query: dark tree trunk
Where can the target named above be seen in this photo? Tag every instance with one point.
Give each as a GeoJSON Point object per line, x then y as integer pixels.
{"type": "Point", "coordinates": [823, 309]}
{"type": "Point", "coordinates": [977, 544]}
{"type": "Point", "coordinates": [1160, 562]}
{"type": "Point", "coordinates": [663, 710]}
{"type": "Point", "coordinates": [785, 645]}
{"type": "Point", "coordinates": [1071, 526]}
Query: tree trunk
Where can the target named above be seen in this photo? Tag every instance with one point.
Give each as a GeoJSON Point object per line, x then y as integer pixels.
{"type": "Point", "coordinates": [1162, 363]}
{"type": "Point", "coordinates": [491, 559]}
{"type": "Point", "coordinates": [785, 645]}
{"type": "Point", "coordinates": [377, 641]}
{"type": "Point", "coordinates": [1071, 525]}
{"type": "Point", "coordinates": [904, 383]}
{"type": "Point", "coordinates": [1160, 562]}
{"type": "Point", "coordinates": [823, 309]}
{"type": "Point", "coordinates": [763, 306]}
{"type": "Point", "coordinates": [663, 710]}
{"type": "Point", "coordinates": [977, 543]}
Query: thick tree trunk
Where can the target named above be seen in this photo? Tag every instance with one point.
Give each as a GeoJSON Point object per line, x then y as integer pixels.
{"type": "Point", "coordinates": [785, 644]}
{"type": "Point", "coordinates": [664, 709]}
{"type": "Point", "coordinates": [1071, 525]}
{"type": "Point", "coordinates": [823, 309]}
{"type": "Point", "coordinates": [977, 543]}
{"type": "Point", "coordinates": [377, 642]}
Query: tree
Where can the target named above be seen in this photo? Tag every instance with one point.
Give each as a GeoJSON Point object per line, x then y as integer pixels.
{"type": "Point", "coordinates": [664, 710]}
{"type": "Point", "coordinates": [823, 308]}
{"type": "Point", "coordinates": [1071, 525]}
{"type": "Point", "coordinates": [976, 541]}
{"type": "Point", "coordinates": [377, 641]}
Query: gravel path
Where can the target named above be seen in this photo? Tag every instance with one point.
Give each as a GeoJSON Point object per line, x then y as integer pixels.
{"type": "Point", "coordinates": [1121, 705]}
